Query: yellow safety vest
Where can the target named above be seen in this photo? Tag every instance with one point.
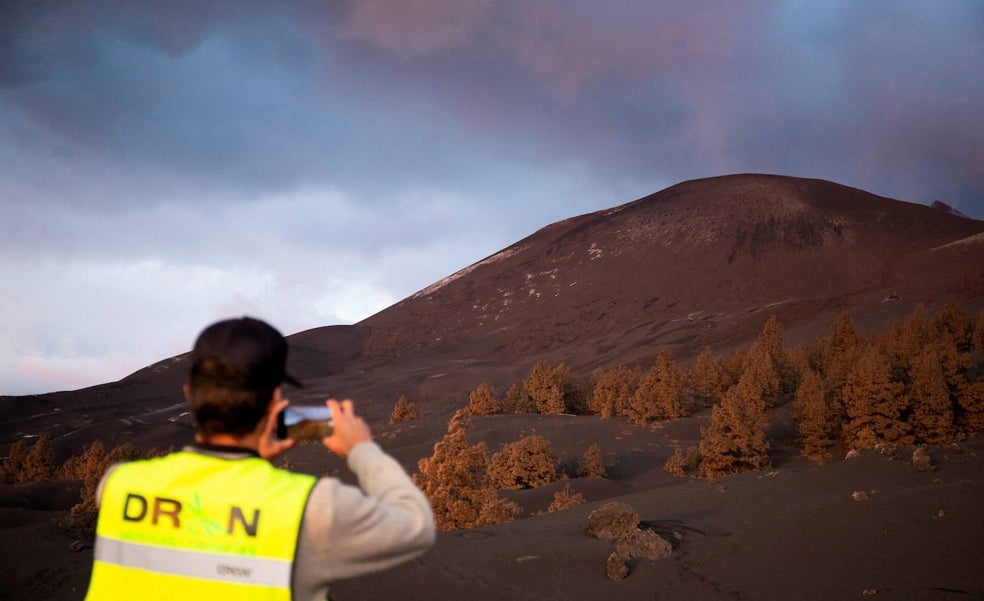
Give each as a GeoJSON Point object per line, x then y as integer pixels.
{"type": "Point", "coordinates": [190, 526]}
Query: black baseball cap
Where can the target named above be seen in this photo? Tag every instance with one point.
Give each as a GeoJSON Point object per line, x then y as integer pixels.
{"type": "Point", "coordinates": [242, 354]}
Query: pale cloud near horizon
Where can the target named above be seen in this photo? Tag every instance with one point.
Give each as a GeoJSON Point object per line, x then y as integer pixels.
{"type": "Point", "coordinates": [163, 165]}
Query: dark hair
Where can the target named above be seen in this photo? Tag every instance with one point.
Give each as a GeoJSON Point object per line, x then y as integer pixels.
{"type": "Point", "coordinates": [222, 410]}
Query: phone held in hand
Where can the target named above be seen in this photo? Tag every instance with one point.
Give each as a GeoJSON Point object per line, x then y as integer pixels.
{"type": "Point", "coordinates": [311, 423]}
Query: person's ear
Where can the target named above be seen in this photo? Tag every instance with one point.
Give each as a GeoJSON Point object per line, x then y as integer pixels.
{"type": "Point", "coordinates": [187, 391]}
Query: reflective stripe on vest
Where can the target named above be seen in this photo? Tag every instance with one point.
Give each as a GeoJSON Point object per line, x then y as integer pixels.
{"type": "Point", "coordinates": [191, 526]}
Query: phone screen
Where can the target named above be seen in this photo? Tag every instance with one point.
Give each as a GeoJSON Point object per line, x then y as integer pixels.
{"type": "Point", "coordinates": [305, 423]}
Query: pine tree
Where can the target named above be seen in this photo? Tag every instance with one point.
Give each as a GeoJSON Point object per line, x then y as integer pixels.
{"type": "Point", "coordinates": [874, 404]}
{"type": "Point", "coordinates": [482, 401]}
{"type": "Point", "coordinates": [760, 375]}
{"type": "Point", "coordinates": [592, 464]}
{"type": "Point", "coordinates": [956, 323]}
{"type": "Point", "coordinates": [552, 390]}
{"type": "Point", "coordinates": [838, 353]}
{"type": "Point", "coordinates": [978, 338]}
{"type": "Point", "coordinates": [517, 401]}
{"type": "Point", "coordinates": [14, 464]}
{"type": "Point", "coordinates": [455, 480]}
{"type": "Point", "coordinates": [901, 342]}
{"type": "Point", "coordinates": [704, 379]}
{"type": "Point", "coordinates": [735, 440]}
{"type": "Point", "coordinates": [613, 390]}
{"type": "Point", "coordinates": [39, 464]}
{"type": "Point", "coordinates": [818, 420]}
{"type": "Point", "coordinates": [660, 394]}
{"type": "Point", "coordinates": [966, 392]}
{"type": "Point", "coordinates": [734, 367]}
{"type": "Point", "coordinates": [932, 415]}
{"type": "Point", "coordinates": [770, 342]}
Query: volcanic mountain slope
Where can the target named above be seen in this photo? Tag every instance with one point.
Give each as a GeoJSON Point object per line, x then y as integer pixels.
{"type": "Point", "coordinates": [703, 263]}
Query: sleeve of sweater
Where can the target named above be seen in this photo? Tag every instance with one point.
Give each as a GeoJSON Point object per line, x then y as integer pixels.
{"type": "Point", "coordinates": [347, 532]}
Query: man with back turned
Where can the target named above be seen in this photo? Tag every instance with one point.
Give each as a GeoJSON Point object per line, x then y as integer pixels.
{"type": "Point", "coordinates": [217, 521]}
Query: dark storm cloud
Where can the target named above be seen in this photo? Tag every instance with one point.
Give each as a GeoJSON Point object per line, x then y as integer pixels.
{"type": "Point", "coordinates": [374, 94]}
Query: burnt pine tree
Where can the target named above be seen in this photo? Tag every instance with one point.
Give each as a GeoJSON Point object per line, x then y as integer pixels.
{"type": "Point", "coordinates": [956, 323]}
{"type": "Point", "coordinates": [704, 379]}
{"type": "Point", "coordinates": [592, 464]}
{"type": "Point", "coordinates": [552, 390]}
{"type": "Point", "coordinates": [482, 401]}
{"type": "Point", "coordinates": [735, 441]}
{"type": "Point", "coordinates": [978, 338]}
{"type": "Point", "coordinates": [932, 414]}
{"type": "Point", "coordinates": [966, 392]}
{"type": "Point", "coordinates": [760, 374]}
{"type": "Point", "coordinates": [770, 342]}
{"type": "Point", "coordinates": [660, 394]}
{"type": "Point", "coordinates": [14, 463]}
{"type": "Point", "coordinates": [455, 480]}
{"type": "Point", "coordinates": [818, 420]}
{"type": "Point", "coordinates": [613, 390]}
{"type": "Point", "coordinates": [874, 404]}
{"type": "Point", "coordinates": [39, 464]}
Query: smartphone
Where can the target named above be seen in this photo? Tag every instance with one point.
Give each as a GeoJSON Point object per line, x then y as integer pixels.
{"type": "Point", "coordinates": [305, 423]}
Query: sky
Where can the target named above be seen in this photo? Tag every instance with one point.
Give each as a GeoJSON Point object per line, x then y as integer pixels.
{"type": "Point", "coordinates": [164, 165]}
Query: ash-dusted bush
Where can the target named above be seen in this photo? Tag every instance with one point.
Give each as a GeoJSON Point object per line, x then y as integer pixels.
{"type": "Point", "coordinates": [683, 464]}
{"type": "Point", "coordinates": [482, 401]}
{"type": "Point", "coordinates": [615, 568]}
{"type": "Point", "coordinates": [404, 411]}
{"type": "Point", "coordinates": [90, 467]}
{"type": "Point", "coordinates": [456, 481]}
{"type": "Point", "coordinates": [612, 520]}
{"type": "Point", "coordinates": [565, 499]}
{"type": "Point", "coordinates": [526, 463]}
{"type": "Point", "coordinates": [592, 464]}
{"type": "Point", "coordinates": [642, 544]}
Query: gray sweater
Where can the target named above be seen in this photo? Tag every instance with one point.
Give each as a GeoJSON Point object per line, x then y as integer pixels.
{"type": "Point", "coordinates": [349, 531]}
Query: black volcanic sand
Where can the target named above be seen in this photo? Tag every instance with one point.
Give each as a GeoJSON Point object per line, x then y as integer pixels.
{"type": "Point", "coordinates": [791, 532]}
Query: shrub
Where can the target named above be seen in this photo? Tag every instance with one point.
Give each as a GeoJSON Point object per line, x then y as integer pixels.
{"type": "Point", "coordinates": [682, 464]}
{"type": "Point", "coordinates": [615, 568]}
{"type": "Point", "coordinates": [565, 499]}
{"type": "Point", "coordinates": [404, 411]}
{"type": "Point", "coordinates": [642, 544]}
{"type": "Point", "coordinates": [526, 463]}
